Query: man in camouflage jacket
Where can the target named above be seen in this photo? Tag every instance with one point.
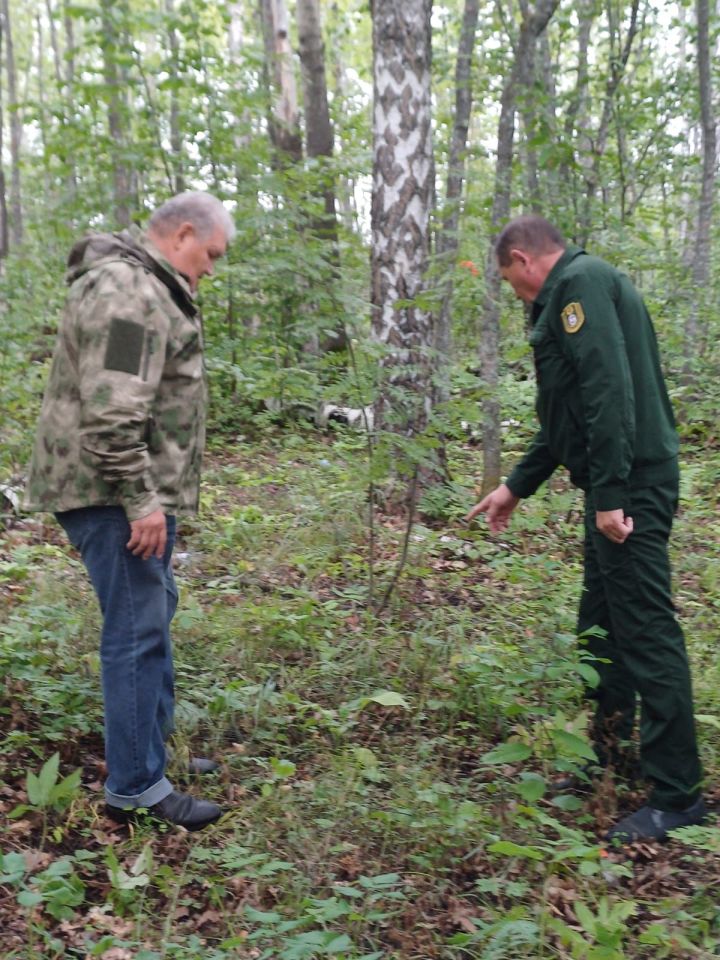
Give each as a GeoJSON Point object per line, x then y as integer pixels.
{"type": "Point", "coordinates": [118, 454]}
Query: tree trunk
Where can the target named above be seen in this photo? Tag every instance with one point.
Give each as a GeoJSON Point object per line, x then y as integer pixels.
{"type": "Point", "coordinates": [57, 56]}
{"type": "Point", "coordinates": [400, 212]}
{"type": "Point", "coordinates": [616, 70]}
{"type": "Point", "coordinates": [345, 184]}
{"type": "Point", "coordinates": [176, 143]}
{"type": "Point", "coordinates": [702, 258]}
{"type": "Point", "coordinates": [319, 143]}
{"type": "Point", "coordinates": [116, 112]}
{"type": "Point", "coordinates": [448, 239]}
{"type": "Point", "coordinates": [69, 47]}
{"type": "Point", "coordinates": [283, 120]}
{"type": "Point", "coordinates": [42, 107]}
{"type": "Point", "coordinates": [318, 128]}
{"type": "Point", "coordinates": [16, 208]}
{"type": "Point", "coordinates": [577, 114]}
{"type": "Point", "coordinates": [533, 24]}
{"type": "Point", "coordinates": [4, 244]}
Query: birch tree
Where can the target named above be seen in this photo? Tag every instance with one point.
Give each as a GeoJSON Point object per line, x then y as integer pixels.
{"type": "Point", "coordinates": [284, 117]}
{"type": "Point", "coordinates": [400, 211]}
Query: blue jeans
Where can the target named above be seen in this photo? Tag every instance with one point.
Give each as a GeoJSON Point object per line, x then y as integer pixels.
{"type": "Point", "coordinates": [138, 600]}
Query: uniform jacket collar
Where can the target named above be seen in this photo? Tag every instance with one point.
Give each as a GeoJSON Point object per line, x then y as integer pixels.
{"type": "Point", "coordinates": [570, 254]}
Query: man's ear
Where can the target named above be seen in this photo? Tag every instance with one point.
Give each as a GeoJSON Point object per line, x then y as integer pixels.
{"type": "Point", "coordinates": [184, 232]}
{"type": "Point", "coordinates": [519, 256]}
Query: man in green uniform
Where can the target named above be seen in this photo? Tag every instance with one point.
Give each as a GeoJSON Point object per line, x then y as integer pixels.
{"type": "Point", "coordinates": [605, 415]}
{"type": "Point", "coordinates": [118, 454]}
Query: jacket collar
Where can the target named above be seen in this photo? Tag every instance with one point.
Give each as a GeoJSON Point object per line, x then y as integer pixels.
{"type": "Point", "coordinates": [571, 253]}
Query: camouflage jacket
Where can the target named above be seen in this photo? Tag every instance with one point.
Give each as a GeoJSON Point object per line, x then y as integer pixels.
{"type": "Point", "coordinates": [123, 418]}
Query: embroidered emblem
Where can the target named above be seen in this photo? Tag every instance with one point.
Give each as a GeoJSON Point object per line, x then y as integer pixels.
{"type": "Point", "coordinates": [573, 317]}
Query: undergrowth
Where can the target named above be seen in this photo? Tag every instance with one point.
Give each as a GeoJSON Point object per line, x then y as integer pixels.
{"type": "Point", "coordinates": [386, 779]}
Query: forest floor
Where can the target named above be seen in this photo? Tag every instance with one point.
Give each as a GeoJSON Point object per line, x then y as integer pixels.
{"type": "Point", "coordinates": [385, 773]}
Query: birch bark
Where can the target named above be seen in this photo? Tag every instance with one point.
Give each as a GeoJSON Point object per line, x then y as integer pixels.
{"type": "Point", "coordinates": [400, 211]}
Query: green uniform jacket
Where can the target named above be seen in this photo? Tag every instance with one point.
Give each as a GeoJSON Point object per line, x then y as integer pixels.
{"type": "Point", "coordinates": [123, 418]}
{"type": "Point", "coordinates": [602, 405]}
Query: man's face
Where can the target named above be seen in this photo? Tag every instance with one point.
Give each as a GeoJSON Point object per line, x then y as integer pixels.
{"type": "Point", "coordinates": [522, 275]}
{"type": "Point", "coordinates": [193, 253]}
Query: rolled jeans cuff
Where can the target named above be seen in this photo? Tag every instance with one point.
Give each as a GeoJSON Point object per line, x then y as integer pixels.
{"type": "Point", "coordinates": [148, 798]}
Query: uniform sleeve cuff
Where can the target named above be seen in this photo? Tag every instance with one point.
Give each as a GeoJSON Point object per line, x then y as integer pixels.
{"type": "Point", "coordinates": [137, 509]}
{"type": "Point", "coordinates": [614, 496]}
{"type": "Point", "coordinates": [520, 486]}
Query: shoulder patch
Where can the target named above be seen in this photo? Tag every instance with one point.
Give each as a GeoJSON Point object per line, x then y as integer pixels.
{"type": "Point", "coordinates": [124, 346]}
{"type": "Point", "coordinates": [573, 317]}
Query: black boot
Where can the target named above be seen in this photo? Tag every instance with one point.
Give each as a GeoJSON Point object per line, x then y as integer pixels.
{"type": "Point", "coordinates": [647, 823]}
{"type": "Point", "coordinates": [179, 808]}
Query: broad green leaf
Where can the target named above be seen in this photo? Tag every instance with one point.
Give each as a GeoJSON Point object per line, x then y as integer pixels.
{"type": "Point", "coordinates": [589, 675]}
{"type": "Point", "coordinates": [388, 698]}
{"type": "Point", "coordinates": [282, 769]}
{"type": "Point", "coordinates": [28, 898]}
{"type": "Point", "coordinates": [509, 849]}
{"type": "Point", "coordinates": [531, 787]}
{"type": "Point", "coordinates": [144, 862]}
{"type": "Point", "coordinates": [587, 919]}
{"type": "Point", "coordinates": [567, 803]}
{"type": "Point", "coordinates": [511, 752]}
{"type": "Point", "coordinates": [48, 777]}
{"type": "Point", "coordinates": [570, 744]}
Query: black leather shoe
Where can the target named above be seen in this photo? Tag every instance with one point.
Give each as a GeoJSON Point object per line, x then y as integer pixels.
{"type": "Point", "coordinates": [647, 823]}
{"type": "Point", "coordinates": [179, 808]}
{"type": "Point", "coordinates": [202, 765]}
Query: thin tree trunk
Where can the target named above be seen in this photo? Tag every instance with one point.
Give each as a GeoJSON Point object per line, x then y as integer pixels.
{"type": "Point", "coordinates": [243, 123]}
{"type": "Point", "coordinates": [69, 47]}
{"type": "Point", "coordinates": [284, 119]}
{"type": "Point", "coordinates": [702, 258]}
{"type": "Point", "coordinates": [318, 128]}
{"type": "Point", "coordinates": [57, 56]}
{"type": "Point", "coordinates": [400, 213]}
{"type": "Point", "coordinates": [616, 71]}
{"type": "Point", "coordinates": [345, 185]}
{"type": "Point", "coordinates": [448, 239]}
{"type": "Point", "coordinates": [534, 22]}
{"type": "Point", "coordinates": [319, 140]}
{"type": "Point", "coordinates": [16, 208]}
{"type": "Point", "coordinates": [176, 143]}
{"type": "Point", "coordinates": [116, 114]}
{"type": "Point", "coordinates": [42, 107]}
{"type": "Point", "coordinates": [4, 243]}
{"type": "Point", "coordinates": [577, 114]}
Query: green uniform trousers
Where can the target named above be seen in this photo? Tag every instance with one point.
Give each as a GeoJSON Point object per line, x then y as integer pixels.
{"type": "Point", "coordinates": [627, 592]}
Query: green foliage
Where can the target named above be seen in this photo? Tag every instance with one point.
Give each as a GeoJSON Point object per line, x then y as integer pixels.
{"type": "Point", "coordinates": [46, 792]}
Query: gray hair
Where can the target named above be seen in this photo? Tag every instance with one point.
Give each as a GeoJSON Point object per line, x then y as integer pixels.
{"type": "Point", "coordinates": [204, 211]}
